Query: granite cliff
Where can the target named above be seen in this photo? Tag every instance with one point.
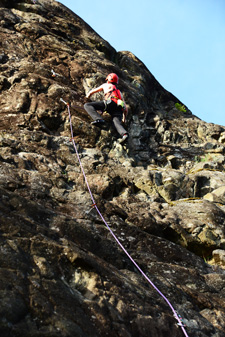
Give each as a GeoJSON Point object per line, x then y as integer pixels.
{"type": "Point", "coordinates": [163, 193]}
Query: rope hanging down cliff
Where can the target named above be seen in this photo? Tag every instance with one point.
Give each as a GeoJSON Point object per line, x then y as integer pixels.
{"type": "Point", "coordinates": [176, 315]}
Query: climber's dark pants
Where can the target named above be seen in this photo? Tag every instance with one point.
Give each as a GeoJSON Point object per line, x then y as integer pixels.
{"type": "Point", "coordinates": [112, 108]}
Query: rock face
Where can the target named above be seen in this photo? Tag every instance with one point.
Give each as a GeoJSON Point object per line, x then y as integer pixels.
{"type": "Point", "coordinates": [162, 194]}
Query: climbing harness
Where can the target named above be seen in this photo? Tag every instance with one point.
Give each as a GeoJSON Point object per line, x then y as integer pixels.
{"type": "Point", "coordinates": [175, 314]}
{"type": "Point", "coordinates": [115, 96]}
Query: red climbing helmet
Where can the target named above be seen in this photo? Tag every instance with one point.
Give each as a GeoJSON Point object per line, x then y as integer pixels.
{"type": "Point", "coordinates": [112, 78]}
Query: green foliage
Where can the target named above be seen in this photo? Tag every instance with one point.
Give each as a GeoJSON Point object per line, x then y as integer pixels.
{"type": "Point", "coordinates": [200, 159]}
{"type": "Point", "coordinates": [180, 107]}
{"type": "Point", "coordinates": [208, 157]}
{"type": "Point", "coordinates": [205, 159]}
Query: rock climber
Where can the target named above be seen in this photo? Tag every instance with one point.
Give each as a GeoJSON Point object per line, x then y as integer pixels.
{"type": "Point", "coordinates": [113, 103]}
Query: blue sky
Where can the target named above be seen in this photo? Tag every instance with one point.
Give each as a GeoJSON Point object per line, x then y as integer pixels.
{"type": "Point", "coordinates": [181, 42]}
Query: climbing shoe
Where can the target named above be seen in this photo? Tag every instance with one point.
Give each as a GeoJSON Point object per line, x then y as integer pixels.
{"type": "Point", "coordinates": [124, 138]}
{"type": "Point", "coordinates": [98, 122]}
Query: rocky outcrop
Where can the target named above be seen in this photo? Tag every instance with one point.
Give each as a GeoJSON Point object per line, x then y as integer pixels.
{"type": "Point", "coordinates": [162, 194]}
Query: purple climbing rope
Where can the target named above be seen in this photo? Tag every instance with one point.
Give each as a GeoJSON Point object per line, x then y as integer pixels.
{"type": "Point", "coordinates": [177, 317]}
